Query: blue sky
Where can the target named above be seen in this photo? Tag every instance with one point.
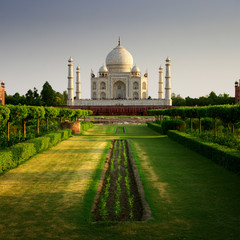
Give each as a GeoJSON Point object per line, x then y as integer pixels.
{"type": "Point", "coordinates": [200, 37]}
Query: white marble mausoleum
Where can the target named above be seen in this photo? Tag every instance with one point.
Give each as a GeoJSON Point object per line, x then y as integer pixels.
{"type": "Point", "coordinates": [119, 83]}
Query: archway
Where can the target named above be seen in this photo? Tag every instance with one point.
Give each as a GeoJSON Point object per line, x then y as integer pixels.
{"type": "Point", "coordinates": [119, 90]}
{"type": "Point", "coordinates": [103, 95]}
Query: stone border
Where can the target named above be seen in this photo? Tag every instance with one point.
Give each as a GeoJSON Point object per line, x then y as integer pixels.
{"type": "Point", "coordinates": [147, 213]}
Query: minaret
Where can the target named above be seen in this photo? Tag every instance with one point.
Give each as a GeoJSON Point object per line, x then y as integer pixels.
{"type": "Point", "coordinates": [70, 81]}
{"type": "Point", "coordinates": [78, 84]}
{"type": "Point", "coordinates": [168, 82]}
{"type": "Point", "coordinates": [160, 83]}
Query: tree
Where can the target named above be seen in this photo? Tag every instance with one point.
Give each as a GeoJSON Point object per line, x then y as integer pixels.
{"type": "Point", "coordinates": [48, 95]}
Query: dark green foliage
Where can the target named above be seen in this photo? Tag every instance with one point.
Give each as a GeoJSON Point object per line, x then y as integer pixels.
{"type": "Point", "coordinates": [6, 160]}
{"type": "Point", "coordinates": [211, 99]}
{"type": "Point", "coordinates": [4, 114]}
{"type": "Point", "coordinates": [23, 151]}
{"type": "Point", "coordinates": [207, 123]}
{"type": "Point", "coordinates": [173, 124]}
{"type": "Point", "coordinates": [224, 156]}
{"type": "Point", "coordinates": [155, 126]}
{"type": "Point", "coordinates": [170, 124]}
{"type": "Point", "coordinates": [48, 95]}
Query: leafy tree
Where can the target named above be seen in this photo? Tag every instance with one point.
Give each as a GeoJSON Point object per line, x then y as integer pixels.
{"type": "Point", "coordinates": [48, 95]}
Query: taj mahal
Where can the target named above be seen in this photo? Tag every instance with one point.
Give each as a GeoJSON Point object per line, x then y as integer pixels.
{"type": "Point", "coordinates": [119, 83]}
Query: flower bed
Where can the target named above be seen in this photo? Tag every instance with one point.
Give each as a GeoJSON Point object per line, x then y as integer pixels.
{"type": "Point", "coordinates": [119, 198]}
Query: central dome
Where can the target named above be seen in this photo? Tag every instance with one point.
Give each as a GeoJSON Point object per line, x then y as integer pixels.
{"type": "Point", "coordinates": [119, 60]}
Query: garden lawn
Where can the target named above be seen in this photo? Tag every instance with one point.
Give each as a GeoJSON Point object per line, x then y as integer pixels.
{"type": "Point", "coordinates": [50, 196]}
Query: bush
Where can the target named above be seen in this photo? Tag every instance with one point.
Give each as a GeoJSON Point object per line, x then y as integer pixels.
{"type": "Point", "coordinates": [207, 124]}
{"type": "Point", "coordinates": [224, 156]}
{"type": "Point", "coordinates": [155, 126]}
{"type": "Point", "coordinates": [173, 124]}
{"type": "Point", "coordinates": [23, 151]}
{"type": "Point", "coordinates": [41, 143]}
{"type": "Point", "coordinates": [54, 138]}
{"type": "Point", "coordinates": [6, 160]}
{"type": "Point", "coordinates": [85, 126]}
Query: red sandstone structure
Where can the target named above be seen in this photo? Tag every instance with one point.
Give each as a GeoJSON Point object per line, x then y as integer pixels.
{"type": "Point", "coordinates": [2, 93]}
{"type": "Point", "coordinates": [237, 91]}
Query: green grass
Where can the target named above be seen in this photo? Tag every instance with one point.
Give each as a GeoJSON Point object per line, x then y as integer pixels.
{"type": "Point", "coordinates": [50, 196]}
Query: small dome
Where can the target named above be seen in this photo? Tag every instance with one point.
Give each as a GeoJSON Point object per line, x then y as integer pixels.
{"type": "Point", "coordinates": [70, 59]}
{"type": "Point", "coordinates": [78, 68]}
{"type": "Point", "coordinates": [135, 69]}
{"type": "Point", "coordinates": [103, 69]}
{"type": "Point", "coordinates": [161, 68]}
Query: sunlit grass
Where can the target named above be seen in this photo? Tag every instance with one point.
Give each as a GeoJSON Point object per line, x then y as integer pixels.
{"type": "Point", "coordinates": [51, 195]}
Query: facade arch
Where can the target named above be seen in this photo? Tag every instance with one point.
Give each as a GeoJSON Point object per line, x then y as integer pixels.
{"type": "Point", "coordinates": [119, 90]}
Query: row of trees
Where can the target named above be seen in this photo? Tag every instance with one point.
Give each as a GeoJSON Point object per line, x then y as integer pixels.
{"type": "Point", "coordinates": [226, 113]}
{"type": "Point", "coordinates": [47, 97]}
{"type": "Point", "coordinates": [13, 113]}
{"type": "Point", "coordinates": [211, 99]}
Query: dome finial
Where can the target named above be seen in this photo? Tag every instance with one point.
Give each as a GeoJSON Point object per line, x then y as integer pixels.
{"type": "Point", "coordinates": [119, 42]}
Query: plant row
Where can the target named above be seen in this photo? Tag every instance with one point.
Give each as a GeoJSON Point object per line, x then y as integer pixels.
{"type": "Point", "coordinates": [21, 152]}
{"type": "Point", "coordinates": [118, 199]}
{"type": "Point", "coordinates": [224, 156]}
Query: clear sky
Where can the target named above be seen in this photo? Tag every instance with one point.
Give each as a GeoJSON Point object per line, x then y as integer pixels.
{"type": "Point", "coordinates": [202, 38]}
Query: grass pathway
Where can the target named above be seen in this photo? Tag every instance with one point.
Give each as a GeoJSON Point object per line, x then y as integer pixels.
{"type": "Point", "coordinates": [50, 196]}
{"type": "Point", "coordinates": [42, 198]}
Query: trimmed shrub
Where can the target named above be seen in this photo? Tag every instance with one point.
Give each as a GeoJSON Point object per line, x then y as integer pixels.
{"type": "Point", "coordinates": [173, 124]}
{"type": "Point", "coordinates": [54, 138]}
{"type": "Point", "coordinates": [66, 133]}
{"type": "Point", "coordinates": [6, 160]}
{"type": "Point", "coordinates": [41, 143]}
{"type": "Point", "coordinates": [85, 126]}
{"type": "Point", "coordinates": [155, 126]}
{"type": "Point", "coordinates": [224, 156]}
{"type": "Point", "coordinates": [23, 151]}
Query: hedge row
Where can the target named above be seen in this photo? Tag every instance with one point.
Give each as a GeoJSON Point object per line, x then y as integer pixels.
{"type": "Point", "coordinates": [228, 113]}
{"type": "Point", "coordinates": [170, 124]}
{"type": "Point", "coordinates": [23, 151]}
{"type": "Point", "coordinates": [224, 156]}
{"type": "Point", "coordinates": [85, 126]}
{"type": "Point", "coordinates": [154, 126]}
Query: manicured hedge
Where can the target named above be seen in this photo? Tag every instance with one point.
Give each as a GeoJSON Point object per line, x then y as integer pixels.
{"type": "Point", "coordinates": [154, 126]}
{"type": "Point", "coordinates": [23, 151]}
{"type": "Point", "coordinates": [169, 124]}
{"type": "Point", "coordinates": [224, 156]}
{"type": "Point", "coordinates": [86, 125]}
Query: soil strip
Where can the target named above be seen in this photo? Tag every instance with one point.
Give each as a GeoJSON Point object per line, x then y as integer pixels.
{"type": "Point", "coordinates": [120, 194]}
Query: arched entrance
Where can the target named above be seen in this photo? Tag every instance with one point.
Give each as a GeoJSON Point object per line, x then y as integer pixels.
{"type": "Point", "coordinates": [119, 90]}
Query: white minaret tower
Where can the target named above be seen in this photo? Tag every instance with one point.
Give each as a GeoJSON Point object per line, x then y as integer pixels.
{"type": "Point", "coordinates": [160, 83]}
{"type": "Point", "coordinates": [70, 82]}
{"type": "Point", "coordinates": [168, 83]}
{"type": "Point", "coordinates": [78, 84]}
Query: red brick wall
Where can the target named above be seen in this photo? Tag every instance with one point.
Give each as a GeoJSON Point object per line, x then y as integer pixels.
{"type": "Point", "coordinates": [118, 110]}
